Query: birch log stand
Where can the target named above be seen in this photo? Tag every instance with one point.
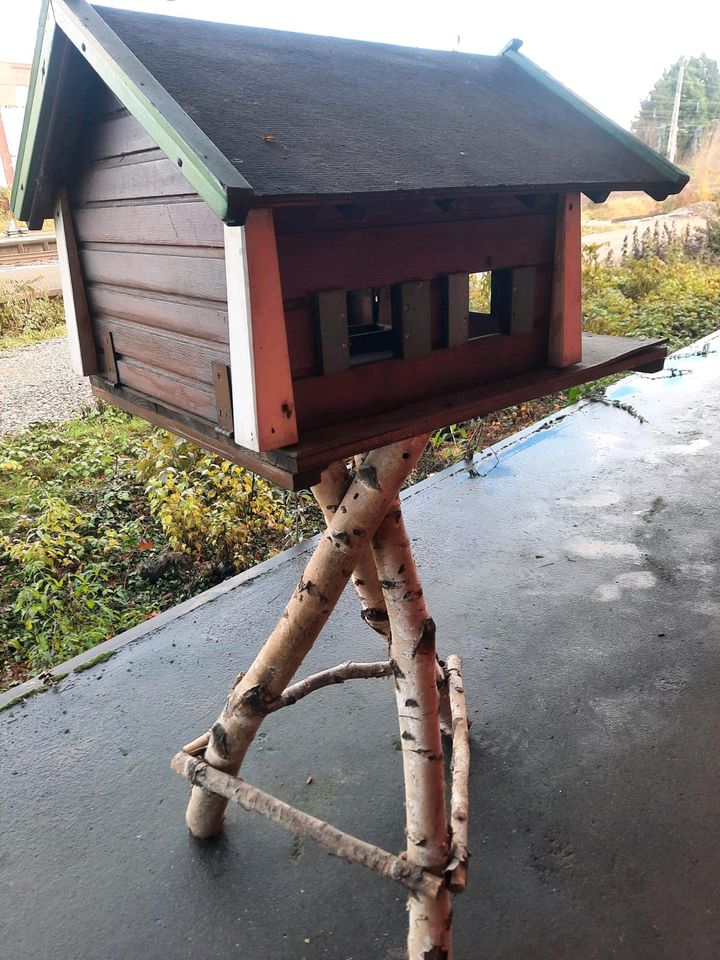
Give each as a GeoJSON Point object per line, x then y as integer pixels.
{"type": "Point", "coordinates": [365, 539]}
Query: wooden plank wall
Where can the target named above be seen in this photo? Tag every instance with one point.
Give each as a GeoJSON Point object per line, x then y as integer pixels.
{"type": "Point", "coordinates": [152, 256]}
{"type": "Point", "coordinates": [326, 249]}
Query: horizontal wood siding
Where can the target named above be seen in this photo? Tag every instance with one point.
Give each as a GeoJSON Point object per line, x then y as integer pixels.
{"type": "Point", "coordinates": [339, 253]}
{"type": "Point", "coordinates": [391, 384]}
{"type": "Point", "coordinates": [152, 257]}
{"type": "Point", "coordinates": [165, 312]}
{"type": "Point", "coordinates": [185, 222]}
{"type": "Point", "coordinates": [377, 256]}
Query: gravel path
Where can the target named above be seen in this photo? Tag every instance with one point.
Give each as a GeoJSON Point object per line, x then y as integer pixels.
{"type": "Point", "coordinates": [37, 383]}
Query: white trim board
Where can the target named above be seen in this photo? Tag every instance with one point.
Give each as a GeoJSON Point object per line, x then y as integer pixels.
{"type": "Point", "coordinates": [242, 368]}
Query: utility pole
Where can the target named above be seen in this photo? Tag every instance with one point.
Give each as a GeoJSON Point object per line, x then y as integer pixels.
{"type": "Point", "coordinates": [672, 138]}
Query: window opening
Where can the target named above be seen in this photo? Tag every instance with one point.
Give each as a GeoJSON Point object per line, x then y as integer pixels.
{"type": "Point", "coordinates": [370, 325]}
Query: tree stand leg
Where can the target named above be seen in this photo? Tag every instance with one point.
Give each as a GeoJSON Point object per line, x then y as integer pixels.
{"type": "Point", "coordinates": [413, 661]}
{"type": "Point", "coordinates": [366, 534]}
{"type": "Point", "coordinates": [366, 579]}
{"type": "Point", "coordinates": [360, 513]}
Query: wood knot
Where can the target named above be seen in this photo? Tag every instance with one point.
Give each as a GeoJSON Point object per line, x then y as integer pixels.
{"type": "Point", "coordinates": [312, 590]}
{"type": "Point", "coordinates": [368, 477]}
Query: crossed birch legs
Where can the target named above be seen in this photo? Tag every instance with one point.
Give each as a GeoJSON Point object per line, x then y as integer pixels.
{"type": "Point", "coordinates": [366, 539]}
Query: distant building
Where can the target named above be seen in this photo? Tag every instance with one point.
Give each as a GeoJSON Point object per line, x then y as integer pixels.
{"type": "Point", "coordinates": [14, 83]}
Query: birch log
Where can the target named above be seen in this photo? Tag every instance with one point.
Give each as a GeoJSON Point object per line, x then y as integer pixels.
{"type": "Point", "coordinates": [413, 658]}
{"type": "Point", "coordinates": [335, 483]}
{"type": "Point", "coordinates": [365, 576]}
{"type": "Point", "coordinates": [339, 843]}
{"type": "Point", "coordinates": [459, 802]}
{"type": "Point", "coordinates": [325, 678]}
{"type": "Point", "coordinates": [357, 519]}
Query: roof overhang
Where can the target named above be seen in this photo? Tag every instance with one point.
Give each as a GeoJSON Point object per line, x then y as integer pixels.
{"type": "Point", "coordinates": [75, 46]}
{"type": "Point", "coordinates": [671, 178]}
{"type": "Point", "coordinates": [72, 38]}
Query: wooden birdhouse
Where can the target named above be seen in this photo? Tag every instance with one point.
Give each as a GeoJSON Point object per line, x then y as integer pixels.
{"type": "Point", "coordinates": [268, 239]}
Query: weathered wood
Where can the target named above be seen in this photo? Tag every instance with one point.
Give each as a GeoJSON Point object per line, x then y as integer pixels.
{"type": "Point", "coordinates": [59, 87]}
{"type": "Point", "coordinates": [115, 136]}
{"type": "Point", "coordinates": [382, 256]}
{"type": "Point", "coordinates": [211, 174]}
{"type": "Point", "coordinates": [522, 310]}
{"type": "Point", "coordinates": [187, 222]}
{"type": "Point", "coordinates": [457, 309]}
{"type": "Point", "coordinates": [263, 397]}
{"type": "Point", "coordinates": [403, 210]}
{"type": "Point", "coordinates": [109, 357]}
{"type": "Point", "coordinates": [181, 276]}
{"type": "Point", "coordinates": [391, 385]}
{"type": "Point", "coordinates": [565, 336]}
{"type": "Point", "coordinates": [189, 357]}
{"type": "Point", "coordinates": [459, 793]}
{"type": "Point", "coordinates": [155, 250]}
{"type": "Point", "coordinates": [411, 319]}
{"type": "Point", "coordinates": [301, 327]}
{"type": "Point", "coordinates": [172, 389]}
{"type": "Point", "coordinates": [413, 657]}
{"type": "Point", "coordinates": [275, 466]}
{"type": "Point", "coordinates": [163, 312]}
{"type": "Point", "coordinates": [299, 466]}
{"type": "Point", "coordinates": [603, 357]}
{"type": "Point", "coordinates": [156, 176]}
{"type": "Point", "coordinates": [333, 337]}
{"type": "Point", "coordinates": [223, 396]}
{"type": "Point", "coordinates": [310, 605]}
{"type": "Point", "coordinates": [340, 844]}
{"type": "Point", "coordinates": [83, 354]}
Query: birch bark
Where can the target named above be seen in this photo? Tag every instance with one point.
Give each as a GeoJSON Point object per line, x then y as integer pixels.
{"type": "Point", "coordinates": [413, 660]}
{"type": "Point", "coordinates": [358, 517]}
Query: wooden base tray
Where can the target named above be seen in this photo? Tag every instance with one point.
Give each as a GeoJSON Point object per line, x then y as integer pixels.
{"type": "Point", "coordinates": [299, 466]}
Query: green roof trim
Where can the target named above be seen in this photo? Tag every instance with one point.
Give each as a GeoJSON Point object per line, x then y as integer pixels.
{"type": "Point", "coordinates": [674, 174]}
{"type": "Point", "coordinates": [20, 199]}
{"type": "Point", "coordinates": [208, 171]}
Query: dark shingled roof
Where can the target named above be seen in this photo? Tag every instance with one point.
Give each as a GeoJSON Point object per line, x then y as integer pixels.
{"type": "Point", "coordinates": [352, 117]}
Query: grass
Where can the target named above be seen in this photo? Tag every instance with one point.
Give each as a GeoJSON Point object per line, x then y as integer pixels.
{"type": "Point", "coordinates": [28, 317]}
{"type": "Point", "coordinates": [28, 338]}
{"type": "Point", "coordinates": [105, 521]}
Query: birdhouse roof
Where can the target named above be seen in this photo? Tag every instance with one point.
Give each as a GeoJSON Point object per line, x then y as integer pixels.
{"type": "Point", "coordinates": [258, 116]}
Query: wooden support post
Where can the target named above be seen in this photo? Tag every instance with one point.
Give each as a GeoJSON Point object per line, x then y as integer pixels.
{"type": "Point", "coordinates": [81, 343]}
{"type": "Point", "coordinates": [335, 483]}
{"type": "Point", "coordinates": [413, 657]}
{"type": "Point", "coordinates": [360, 513]}
{"type": "Point", "coordinates": [565, 336]}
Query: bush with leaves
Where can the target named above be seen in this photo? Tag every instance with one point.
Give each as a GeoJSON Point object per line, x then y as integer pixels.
{"type": "Point", "coordinates": [73, 533]}
{"type": "Point", "coordinates": [209, 508]}
{"type": "Point", "coordinates": [649, 297]}
{"type": "Point", "coordinates": [26, 315]}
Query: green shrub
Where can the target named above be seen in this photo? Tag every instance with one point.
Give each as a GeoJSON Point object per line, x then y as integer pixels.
{"type": "Point", "coordinates": [209, 508]}
{"type": "Point", "coordinates": [71, 538]}
{"type": "Point", "coordinates": [677, 298]}
{"type": "Point", "coordinates": [27, 315]}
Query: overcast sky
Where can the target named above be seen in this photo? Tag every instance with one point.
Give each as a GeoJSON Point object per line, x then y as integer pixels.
{"type": "Point", "coordinates": [610, 53]}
